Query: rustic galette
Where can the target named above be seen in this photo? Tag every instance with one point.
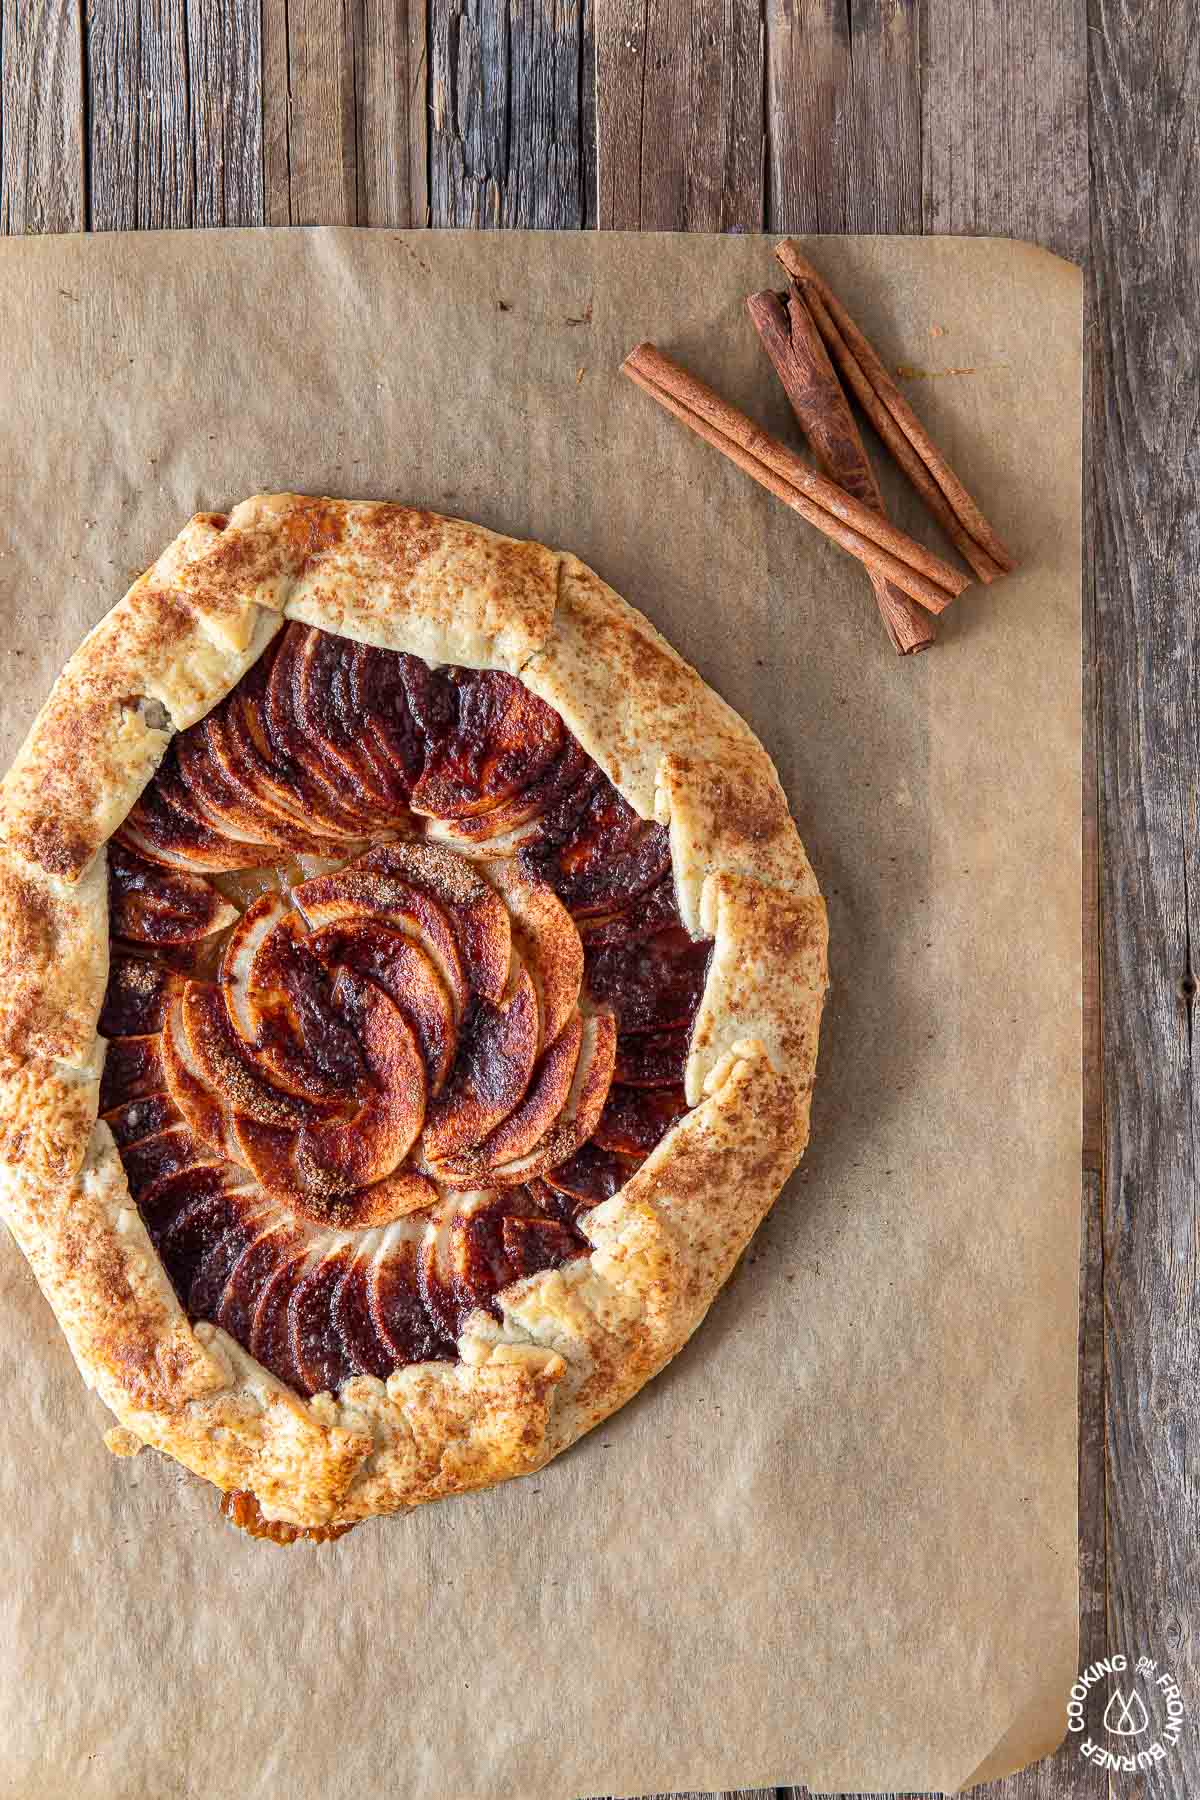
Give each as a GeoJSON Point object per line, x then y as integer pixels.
{"type": "Point", "coordinates": [410, 978]}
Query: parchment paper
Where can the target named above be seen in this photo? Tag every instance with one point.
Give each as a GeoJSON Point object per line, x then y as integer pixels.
{"type": "Point", "coordinates": [835, 1541]}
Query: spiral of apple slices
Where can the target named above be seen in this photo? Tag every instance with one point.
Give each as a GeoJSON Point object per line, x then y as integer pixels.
{"type": "Point", "coordinates": [386, 1009]}
{"type": "Point", "coordinates": [398, 992]}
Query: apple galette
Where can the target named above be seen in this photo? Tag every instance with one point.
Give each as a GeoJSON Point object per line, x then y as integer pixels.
{"type": "Point", "coordinates": [411, 978]}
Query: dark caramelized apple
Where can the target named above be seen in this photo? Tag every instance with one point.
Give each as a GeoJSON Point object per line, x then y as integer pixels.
{"type": "Point", "coordinates": [361, 1077]}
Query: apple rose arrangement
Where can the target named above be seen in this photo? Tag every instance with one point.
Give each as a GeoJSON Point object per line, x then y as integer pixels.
{"type": "Point", "coordinates": [399, 989]}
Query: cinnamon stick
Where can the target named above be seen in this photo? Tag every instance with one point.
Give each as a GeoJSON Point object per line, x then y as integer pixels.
{"type": "Point", "coordinates": [897, 423]}
{"type": "Point", "coordinates": [874, 540]}
{"type": "Point", "coordinates": [794, 346]}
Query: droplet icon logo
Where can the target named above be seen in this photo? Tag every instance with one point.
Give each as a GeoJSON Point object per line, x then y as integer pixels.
{"type": "Point", "coordinates": [1126, 1715]}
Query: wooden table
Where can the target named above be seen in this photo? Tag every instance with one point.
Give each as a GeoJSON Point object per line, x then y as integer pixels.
{"type": "Point", "coordinates": [806, 115]}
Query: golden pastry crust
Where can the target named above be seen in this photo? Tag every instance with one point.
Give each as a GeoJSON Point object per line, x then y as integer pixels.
{"type": "Point", "coordinates": [767, 947]}
{"type": "Point", "coordinates": [572, 1343]}
{"type": "Point", "coordinates": [156, 663]}
{"type": "Point", "coordinates": [53, 960]}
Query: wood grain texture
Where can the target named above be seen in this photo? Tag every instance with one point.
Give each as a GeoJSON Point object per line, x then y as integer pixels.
{"type": "Point", "coordinates": [42, 167]}
{"type": "Point", "coordinates": [469, 137]}
{"type": "Point", "coordinates": [844, 111]}
{"type": "Point", "coordinates": [175, 134]}
{"type": "Point", "coordinates": [140, 144]}
{"type": "Point", "coordinates": [1145, 71]}
{"type": "Point", "coordinates": [345, 127]}
{"type": "Point", "coordinates": [506, 78]}
{"type": "Point", "coordinates": [322, 161]}
{"type": "Point", "coordinates": [1003, 119]}
{"type": "Point", "coordinates": [680, 99]}
{"type": "Point", "coordinates": [224, 58]}
{"type": "Point", "coordinates": [589, 173]}
{"type": "Point", "coordinates": [1093, 1031]}
{"type": "Point", "coordinates": [275, 106]}
{"type": "Point", "coordinates": [1004, 149]}
{"type": "Point", "coordinates": [391, 81]}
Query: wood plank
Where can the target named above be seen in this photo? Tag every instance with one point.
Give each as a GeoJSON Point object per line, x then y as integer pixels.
{"type": "Point", "coordinates": [276, 114]}
{"type": "Point", "coordinates": [1004, 137]}
{"type": "Point", "coordinates": [844, 115]}
{"type": "Point", "coordinates": [505, 146]}
{"type": "Point", "coordinates": [589, 171]}
{"type": "Point", "coordinates": [42, 165]}
{"type": "Point", "coordinates": [392, 113]}
{"type": "Point", "coordinates": [548, 62]}
{"type": "Point", "coordinates": [113, 76]}
{"type": "Point", "coordinates": [1145, 158]}
{"type": "Point", "coordinates": [322, 143]}
{"type": "Point", "coordinates": [620, 88]}
{"type": "Point", "coordinates": [140, 141]}
{"type": "Point", "coordinates": [468, 142]}
{"type": "Point", "coordinates": [225, 61]}
{"type": "Point", "coordinates": [345, 126]}
{"type": "Point", "coordinates": [680, 111]}
{"type": "Point", "coordinates": [1003, 121]}
{"type": "Point", "coordinates": [175, 133]}
{"type": "Point", "coordinates": [1093, 1034]}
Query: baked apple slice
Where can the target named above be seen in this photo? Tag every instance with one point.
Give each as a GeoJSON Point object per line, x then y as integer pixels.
{"type": "Point", "coordinates": [260, 795]}
{"type": "Point", "coordinates": [586, 1179]}
{"type": "Point", "coordinates": [501, 739]}
{"type": "Point", "coordinates": [634, 1119]}
{"type": "Point", "coordinates": [545, 936]}
{"type": "Point", "coordinates": [477, 915]}
{"type": "Point", "coordinates": [517, 821]}
{"type": "Point", "coordinates": [581, 1111]}
{"type": "Point", "coordinates": [391, 1287]}
{"type": "Point", "coordinates": [652, 1059]}
{"type": "Point", "coordinates": [496, 1056]}
{"type": "Point", "coordinates": [398, 965]}
{"type": "Point", "coordinates": [652, 984]}
{"type": "Point", "coordinates": [160, 832]}
{"type": "Point", "coordinates": [133, 1067]}
{"type": "Point", "coordinates": [480, 1242]}
{"type": "Point", "coordinates": [543, 1104]}
{"type": "Point", "coordinates": [319, 1352]}
{"type": "Point", "coordinates": [354, 760]}
{"type": "Point", "coordinates": [360, 894]}
{"type": "Point", "coordinates": [150, 905]}
{"type": "Point", "coordinates": [600, 855]}
{"type": "Point", "coordinates": [298, 726]}
{"type": "Point", "coordinates": [266, 766]}
{"type": "Point", "coordinates": [401, 704]}
{"type": "Point", "coordinates": [228, 805]}
{"type": "Point", "coordinates": [138, 996]}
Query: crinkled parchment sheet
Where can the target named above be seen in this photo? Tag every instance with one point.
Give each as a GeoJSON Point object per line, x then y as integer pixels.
{"type": "Point", "coordinates": [835, 1541]}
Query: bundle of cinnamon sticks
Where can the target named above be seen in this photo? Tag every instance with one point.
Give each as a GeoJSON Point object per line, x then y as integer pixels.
{"type": "Point", "coordinates": [815, 346]}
